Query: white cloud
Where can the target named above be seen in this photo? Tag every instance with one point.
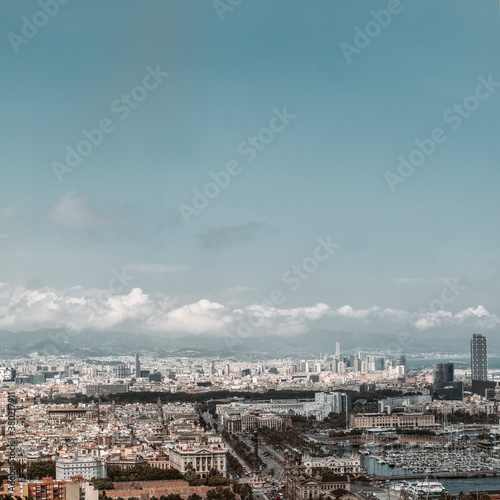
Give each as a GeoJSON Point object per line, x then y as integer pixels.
{"type": "Point", "coordinates": [281, 321]}
{"type": "Point", "coordinates": [372, 314]}
{"type": "Point", "coordinates": [76, 308]}
{"type": "Point", "coordinates": [75, 213]}
{"type": "Point", "coordinates": [477, 317]}
{"type": "Point", "coordinates": [472, 318]}
{"type": "Point", "coordinates": [201, 317]}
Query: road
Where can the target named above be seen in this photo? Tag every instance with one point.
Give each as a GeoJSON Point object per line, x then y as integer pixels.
{"type": "Point", "coordinates": [271, 460]}
{"type": "Point", "coordinates": [208, 418]}
{"type": "Point", "coordinates": [246, 468]}
{"type": "Point", "coordinates": [260, 495]}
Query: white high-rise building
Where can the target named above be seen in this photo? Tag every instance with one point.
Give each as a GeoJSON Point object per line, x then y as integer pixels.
{"type": "Point", "coordinates": [88, 468]}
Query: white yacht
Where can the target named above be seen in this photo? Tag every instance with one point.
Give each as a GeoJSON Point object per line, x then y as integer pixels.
{"type": "Point", "coordinates": [425, 488]}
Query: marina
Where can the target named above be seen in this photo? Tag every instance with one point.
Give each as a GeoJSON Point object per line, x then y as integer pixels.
{"type": "Point", "coordinates": [445, 462]}
{"type": "Point", "coordinates": [407, 489]}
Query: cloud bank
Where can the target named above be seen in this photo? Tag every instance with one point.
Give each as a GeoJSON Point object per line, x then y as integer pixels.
{"type": "Point", "coordinates": [76, 308]}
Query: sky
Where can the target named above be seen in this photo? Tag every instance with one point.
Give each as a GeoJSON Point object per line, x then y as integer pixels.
{"type": "Point", "coordinates": [188, 166]}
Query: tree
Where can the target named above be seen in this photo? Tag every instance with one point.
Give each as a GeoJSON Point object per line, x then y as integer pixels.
{"type": "Point", "coordinates": [43, 468]}
{"type": "Point", "coordinates": [103, 484]}
{"type": "Point", "coordinates": [142, 473]}
{"type": "Point", "coordinates": [171, 496]}
{"type": "Point", "coordinates": [219, 481]}
{"type": "Point", "coordinates": [244, 490]}
{"type": "Point", "coordinates": [220, 493]}
{"type": "Point", "coordinates": [191, 476]}
{"type": "Point", "coordinates": [20, 469]}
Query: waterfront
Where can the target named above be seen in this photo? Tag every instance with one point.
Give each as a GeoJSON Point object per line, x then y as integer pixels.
{"type": "Point", "coordinates": [462, 362]}
{"type": "Point", "coordinates": [374, 468]}
{"type": "Point", "coordinates": [453, 486]}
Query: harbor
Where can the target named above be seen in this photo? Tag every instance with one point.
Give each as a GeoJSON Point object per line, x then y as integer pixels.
{"type": "Point", "coordinates": [441, 462]}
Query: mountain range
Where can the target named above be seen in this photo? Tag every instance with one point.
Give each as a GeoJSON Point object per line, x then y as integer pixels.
{"type": "Point", "coordinates": [89, 343]}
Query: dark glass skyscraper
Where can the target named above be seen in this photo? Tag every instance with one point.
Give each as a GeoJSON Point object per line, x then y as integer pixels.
{"type": "Point", "coordinates": [479, 357]}
{"type": "Point", "coordinates": [443, 375]}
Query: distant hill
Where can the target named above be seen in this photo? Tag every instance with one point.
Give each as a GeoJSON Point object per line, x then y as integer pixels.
{"type": "Point", "coordinates": [102, 343]}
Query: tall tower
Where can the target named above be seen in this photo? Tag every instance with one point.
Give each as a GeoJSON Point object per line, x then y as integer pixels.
{"type": "Point", "coordinates": [159, 411]}
{"type": "Point", "coordinates": [479, 357]}
{"type": "Point", "coordinates": [443, 375]}
{"type": "Point", "coordinates": [137, 366]}
{"type": "Point", "coordinates": [337, 349]}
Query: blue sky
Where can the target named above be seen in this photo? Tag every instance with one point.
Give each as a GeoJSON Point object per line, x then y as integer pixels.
{"type": "Point", "coordinates": [322, 175]}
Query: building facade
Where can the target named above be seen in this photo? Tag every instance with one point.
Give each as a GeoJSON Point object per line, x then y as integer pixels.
{"type": "Point", "coordinates": [479, 357]}
{"type": "Point", "coordinates": [301, 486]}
{"type": "Point", "coordinates": [47, 489]}
{"type": "Point", "coordinates": [105, 389]}
{"type": "Point", "coordinates": [338, 465]}
{"type": "Point", "coordinates": [201, 458]}
{"type": "Point", "coordinates": [443, 375]}
{"type": "Point", "coordinates": [137, 366]}
{"type": "Point", "coordinates": [87, 468]}
{"type": "Point", "coordinates": [374, 420]}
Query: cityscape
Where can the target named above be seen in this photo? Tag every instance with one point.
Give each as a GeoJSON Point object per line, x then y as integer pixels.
{"type": "Point", "coordinates": [145, 426]}
{"type": "Point", "coordinates": [248, 250]}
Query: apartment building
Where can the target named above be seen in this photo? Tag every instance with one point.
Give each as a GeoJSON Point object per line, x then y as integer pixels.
{"type": "Point", "coordinates": [47, 489]}
{"type": "Point", "coordinates": [87, 468]}
{"type": "Point", "coordinates": [271, 421]}
{"type": "Point", "coordinates": [50, 489]}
